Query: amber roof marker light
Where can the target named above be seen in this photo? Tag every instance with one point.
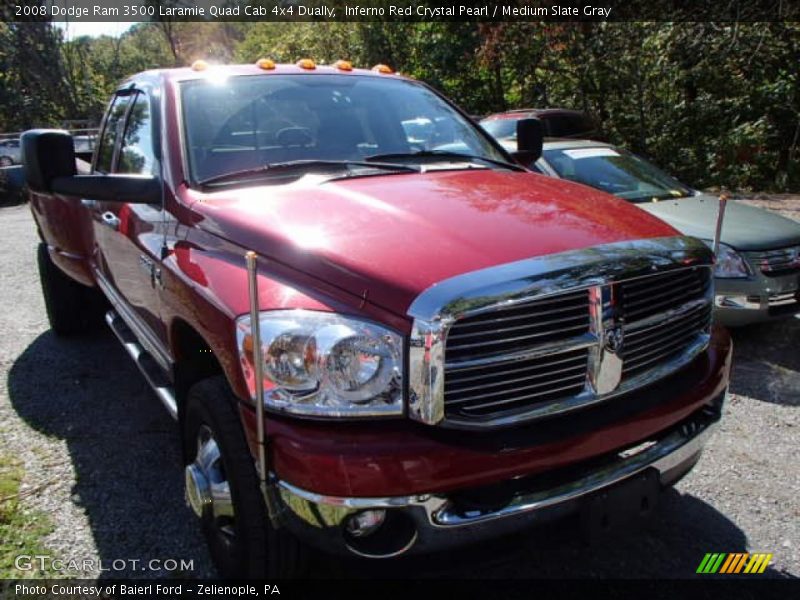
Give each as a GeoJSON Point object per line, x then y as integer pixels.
{"type": "Point", "coordinates": [384, 69]}
{"type": "Point", "coordinates": [306, 63]}
{"type": "Point", "coordinates": [199, 65]}
{"type": "Point", "coordinates": [266, 64]}
{"type": "Point", "coordinates": [343, 65]}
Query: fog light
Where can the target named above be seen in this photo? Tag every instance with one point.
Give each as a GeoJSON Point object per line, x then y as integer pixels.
{"type": "Point", "coordinates": [365, 523]}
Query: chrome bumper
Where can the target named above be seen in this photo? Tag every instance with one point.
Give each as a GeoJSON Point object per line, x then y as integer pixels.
{"type": "Point", "coordinates": [436, 521]}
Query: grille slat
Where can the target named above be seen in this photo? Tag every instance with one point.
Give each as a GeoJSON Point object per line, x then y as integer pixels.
{"type": "Point", "coordinates": [494, 384]}
{"type": "Point", "coordinates": [471, 334]}
{"type": "Point", "coordinates": [454, 376]}
{"type": "Point", "coordinates": [537, 322]}
{"type": "Point", "coordinates": [659, 353]}
{"type": "Point", "coordinates": [646, 346]}
{"type": "Point", "coordinates": [547, 371]}
{"type": "Point", "coordinates": [664, 341]}
{"type": "Point", "coordinates": [657, 335]}
{"type": "Point", "coordinates": [573, 377]}
{"type": "Point", "coordinates": [634, 291]}
{"type": "Point", "coordinates": [567, 331]}
{"type": "Point", "coordinates": [636, 309]}
{"type": "Point", "coordinates": [576, 388]}
{"type": "Point", "coordinates": [546, 306]}
{"type": "Point", "coordinates": [644, 326]}
{"type": "Point", "coordinates": [519, 358]}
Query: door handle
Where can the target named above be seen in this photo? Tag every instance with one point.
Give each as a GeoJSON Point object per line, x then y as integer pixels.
{"type": "Point", "coordinates": [111, 220]}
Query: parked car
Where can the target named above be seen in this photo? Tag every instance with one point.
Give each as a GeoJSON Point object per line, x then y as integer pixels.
{"type": "Point", "coordinates": [758, 269]}
{"type": "Point", "coordinates": [12, 183]}
{"type": "Point", "coordinates": [9, 153]}
{"type": "Point", "coordinates": [373, 345]}
{"type": "Point", "coordinates": [84, 144]}
{"type": "Point", "coordinates": [557, 122]}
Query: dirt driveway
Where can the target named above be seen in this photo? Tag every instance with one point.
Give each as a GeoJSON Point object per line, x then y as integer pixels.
{"type": "Point", "coordinates": [102, 460]}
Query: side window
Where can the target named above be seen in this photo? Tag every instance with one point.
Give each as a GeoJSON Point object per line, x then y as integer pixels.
{"type": "Point", "coordinates": [105, 150]}
{"type": "Point", "coordinates": [136, 153]}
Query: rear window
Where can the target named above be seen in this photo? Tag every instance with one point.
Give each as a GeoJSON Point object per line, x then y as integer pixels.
{"type": "Point", "coordinates": [570, 125]}
{"type": "Point", "coordinates": [500, 128]}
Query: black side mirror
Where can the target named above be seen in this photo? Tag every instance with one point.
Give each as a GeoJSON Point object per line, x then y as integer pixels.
{"type": "Point", "coordinates": [530, 137]}
{"type": "Point", "coordinates": [48, 156]}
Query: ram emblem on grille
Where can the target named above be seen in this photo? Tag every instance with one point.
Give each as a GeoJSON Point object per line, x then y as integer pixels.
{"type": "Point", "coordinates": [614, 341]}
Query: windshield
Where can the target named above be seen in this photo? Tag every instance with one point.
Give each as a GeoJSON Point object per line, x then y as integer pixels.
{"type": "Point", "coordinates": [615, 171]}
{"type": "Point", "coordinates": [248, 122]}
{"type": "Point", "coordinates": [500, 128]}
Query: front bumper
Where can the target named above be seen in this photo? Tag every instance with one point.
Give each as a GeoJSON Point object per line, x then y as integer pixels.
{"type": "Point", "coordinates": [449, 488]}
{"type": "Point", "coordinates": [759, 298]}
{"type": "Point", "coordinates": [432, 522]}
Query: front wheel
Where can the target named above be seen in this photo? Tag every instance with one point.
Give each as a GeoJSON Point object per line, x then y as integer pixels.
{"type": "Point", "coordinates": [222, 488]}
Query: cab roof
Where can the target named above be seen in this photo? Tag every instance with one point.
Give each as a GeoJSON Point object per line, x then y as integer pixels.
{"type": "Point", "coordinates": [201, 70]}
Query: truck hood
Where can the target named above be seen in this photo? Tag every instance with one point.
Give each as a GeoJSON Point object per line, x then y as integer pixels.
{"type": "Point", "coordinates": [389, 237]}
{"type": "Point", "coordinates": [744, 227]}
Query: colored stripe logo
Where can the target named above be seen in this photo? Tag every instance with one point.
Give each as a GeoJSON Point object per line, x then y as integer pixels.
{"type": "Point", "coordinates": [734, 563]}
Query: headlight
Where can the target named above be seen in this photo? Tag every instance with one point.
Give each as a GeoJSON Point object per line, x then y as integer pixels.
{"type": "Point", "coordinates": [324, 364]}
{"type": "Point", "coordinates": [729, 263]}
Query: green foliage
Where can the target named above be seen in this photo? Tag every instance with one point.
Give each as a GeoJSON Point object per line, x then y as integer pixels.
{"type": "Point", "coordinates": [20, 531]}
{"type": "Point", "coordinates": [32, 87]}
{"type": "Point", "coordinates": [716, 104]}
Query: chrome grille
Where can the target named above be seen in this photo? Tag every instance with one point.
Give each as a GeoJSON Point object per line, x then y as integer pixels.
{"type": "Point", "coordinates": [514, 329]}
{"type": "Point", "coordinates": [657, 294]}
{"type": "Point", "coordinates": [532, 355]}
{"type": "Point", "coordinates": [662, 315]}
{"type": "Point", "coordinates": [777, 262]}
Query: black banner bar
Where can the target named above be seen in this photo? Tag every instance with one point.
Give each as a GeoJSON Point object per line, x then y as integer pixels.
{"type": "Point", "coordinates": [402, 10]}
{"type": "Point", "coordinates": [167, 589]}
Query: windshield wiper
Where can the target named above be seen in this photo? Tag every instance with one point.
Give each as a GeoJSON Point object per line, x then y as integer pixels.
{"type": "Point", "coordinates": [307, 164]}
{"type": "Point", "coordinates": [442, 154]}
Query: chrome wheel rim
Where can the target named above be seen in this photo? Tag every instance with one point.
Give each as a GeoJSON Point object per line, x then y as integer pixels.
{"type": "Point", "coordinates": [207, 489]}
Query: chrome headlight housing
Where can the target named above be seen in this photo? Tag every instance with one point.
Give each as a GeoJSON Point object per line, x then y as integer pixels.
{"type": "Point", "coordinates": [324, 364]}
{"type": "Point", "coordinates": [729, 264]}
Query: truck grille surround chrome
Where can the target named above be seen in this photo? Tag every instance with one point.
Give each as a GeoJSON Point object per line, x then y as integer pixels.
{"type": "Point", "coordinates": [547, 335]}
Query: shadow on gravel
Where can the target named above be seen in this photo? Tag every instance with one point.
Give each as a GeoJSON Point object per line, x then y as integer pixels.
{"type": "Point", "coordinates": [766, 362]}
{"type": "Point", "coordinates": [125, 453]}
{"type": "Point", "coordinates": [123, 445]}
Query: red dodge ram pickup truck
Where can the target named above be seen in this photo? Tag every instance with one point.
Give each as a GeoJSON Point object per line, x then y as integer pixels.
{"type": "Point", "coordinates": [378, 333]}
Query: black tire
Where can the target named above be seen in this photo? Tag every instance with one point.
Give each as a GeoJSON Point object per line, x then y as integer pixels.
{"type": "Point", "coordinates": [72, 308]}
{"type": "Point", "coordinates": [256, 550]}
{"type": "Point", "coordinates": [6, 161]}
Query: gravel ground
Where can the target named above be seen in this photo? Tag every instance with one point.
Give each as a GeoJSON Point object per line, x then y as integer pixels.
{"type": "Point", "coordinates": [102, 459]}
